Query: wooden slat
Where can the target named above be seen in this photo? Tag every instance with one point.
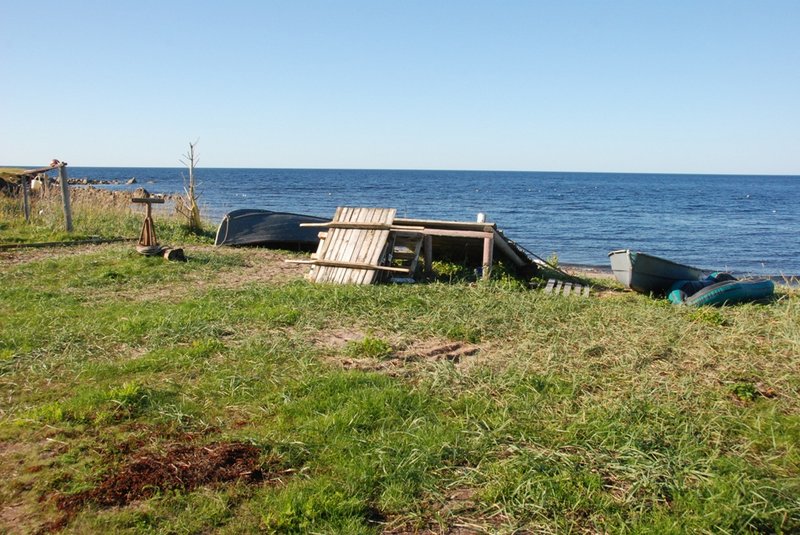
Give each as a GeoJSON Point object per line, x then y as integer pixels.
{"type": "Point", "coordinates": [354, 265]}
{"type": "Point", "coordinates": [363, 225]}
{"type": "Point", "coordinates": [457, 233]}
{"type": "Point", "coordinates": [550, 285]}
{"type": "Point", "coordinates": [376, 253]}
{"type": "Point", "coordinates": [567, 288]}
{"type": "Point", "coordinates": [586, 291]}
{"type": "Point", "coordinates": [557, 289]}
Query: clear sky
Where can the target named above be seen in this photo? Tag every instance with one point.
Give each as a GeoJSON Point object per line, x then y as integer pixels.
{"type": "Point", "coordinates": [627, 86]}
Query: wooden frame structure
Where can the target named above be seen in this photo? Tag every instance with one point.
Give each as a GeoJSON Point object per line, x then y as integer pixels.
{"type": "Point", "coordinates": [25, 178]}
{"type": "Point", "coordinates": [363, 243]}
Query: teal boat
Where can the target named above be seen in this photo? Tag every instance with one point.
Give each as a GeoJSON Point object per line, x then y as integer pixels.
{"type": "Point", "coordinates": [646, 273]}
{"type": "Point", "coordinates": [720, 289]}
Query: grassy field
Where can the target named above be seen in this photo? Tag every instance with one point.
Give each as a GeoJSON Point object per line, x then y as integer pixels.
{"type": "Point", "coordinates": [226, 394]}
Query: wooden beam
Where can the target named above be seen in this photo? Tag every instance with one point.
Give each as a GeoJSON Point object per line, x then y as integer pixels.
{"type": "Point", "coordinates": [427, 248]}
{"type": "Point", "coordinates": [488, 251]}
{"type": "Point", "coordinates": [351, 265]}
{"type": "Point", "coordinates": [458, 233]}
{"type": "Point", "coordinates": [502, 244]}
{"type": "Point", "coordinates": [26, 198]}
{"type": "Point", "coordinates": [40, 170]}
{"type": "Point", "coordinates": [62, 178]}
{"type": "Point", "coordinates": [452, 225]}
{"type": "Point", "coordinates": [360, 226]}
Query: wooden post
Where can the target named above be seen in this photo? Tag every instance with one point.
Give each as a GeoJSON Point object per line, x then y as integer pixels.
{"type": "Point", "coordinates": [62, 178]}
{"type": "Point", "coordinates": [427, 253]}
{"type": "Point", "coordinates": [488, 251]}
{"type": "Point", "coordinates": [26, 197]}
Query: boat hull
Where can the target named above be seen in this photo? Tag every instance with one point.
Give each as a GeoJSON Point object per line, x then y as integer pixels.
{"type": "Point", "coordinates": [251, 227]}
{"type": "Point", "coordinates": [729, 293]}
{"type": "Point", "coordinates": [647, 273]}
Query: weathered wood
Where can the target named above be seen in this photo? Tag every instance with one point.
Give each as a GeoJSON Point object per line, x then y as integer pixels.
{"type": "Point", "coordinates": [174, 255]}
{"type": "Point", "coordinates": [354, 247]}
{"type": "Point", "coordinates": [457, 233]}
{"type": "Point", "coordinates": [427, 254]}
{"type": "Point", "coordinates": [62, 179]}
{"type": "Point", "coordinates": [501, 243]}
{"type": "Point", "coordinates": [26, 198]}
{"type": "Point", "coordinates": [7, 246]}
{"type": "Point", "coordinates": [455, 225]}
{"type": "Point", "coordinates": [488, 251]}
{"type": "Point", "coordinates": [361, 225]}
{"type": "Point", "coordinates": [32, 172]}
{"type": "Point", "coordinates": [566, 288]}
{"type": "Point", "coordinates": [353, 265]}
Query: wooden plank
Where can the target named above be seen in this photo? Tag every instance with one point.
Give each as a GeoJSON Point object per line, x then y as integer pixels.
{"type": "Point", "coordinates": [557, 289]}
{"type": "Point", "coordinates": [8, 246]}
{"type": "Point", "coordinates": [457, 233]}
{"type": "Point", "coordinates": [488, 251]}
{"type": "Point", "coordinates": [40, 170]}
{"type": "Point", "coordinates": [354, 265]}
{"type": "Point", "coordinates": [586, 291]}
{"type": "Point", "coordinates": [26, 198]}
{"type": "Point", "coordinates": [375, 242]}
{"type": "Point", "coordinates": [362, 225]}
{"type": "Point", "coordinates": [501, 243]}
{"type": "Point", "coordinates": [62, 179]}
{"type": "Point", "coordinates": [427, 242]}
{"type": "Point", "coordinates": [346, 236]}
{"type": "Point", "coordinates": [430, 223]}
{"type": "Point", "coordinates": [378, 248]}
{"type": "Point", "coordinates": [322, 249]}
{"type": "Point", "coordinates": [359, 239]}
{"type": "Point", "coordinates": [550, 285]}
{"type": "Point", "coordinates": [567, 288]}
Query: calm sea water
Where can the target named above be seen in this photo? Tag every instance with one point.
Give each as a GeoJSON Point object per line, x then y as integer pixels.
{"type": "Point", "coordinates": [746, 224]}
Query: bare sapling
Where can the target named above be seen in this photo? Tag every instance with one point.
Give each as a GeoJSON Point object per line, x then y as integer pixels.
{"type": "Point", "coordinates": [187, 205]}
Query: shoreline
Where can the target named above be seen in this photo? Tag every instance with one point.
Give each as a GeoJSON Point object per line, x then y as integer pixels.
{"type": "Point", "coordinates": [95, 188]}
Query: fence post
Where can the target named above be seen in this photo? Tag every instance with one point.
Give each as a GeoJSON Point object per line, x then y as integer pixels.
{"type": "Point", "coordinates": [62, 178]}
{"type": "Point", "coordinates": [26, 197]}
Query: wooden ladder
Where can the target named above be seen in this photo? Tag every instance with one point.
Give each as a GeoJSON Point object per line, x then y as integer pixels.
{"type": "Point", "coordinates": [404, 250]}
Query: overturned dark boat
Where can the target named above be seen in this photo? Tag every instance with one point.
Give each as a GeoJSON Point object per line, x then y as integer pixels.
{"type": "Point", "coordinates": [646, 273]}
{"type": "Point", "coordinates": [266, 228]}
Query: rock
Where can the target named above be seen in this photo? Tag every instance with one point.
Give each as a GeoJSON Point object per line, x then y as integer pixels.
{"type": "Point", "coordinates": [131, 181]}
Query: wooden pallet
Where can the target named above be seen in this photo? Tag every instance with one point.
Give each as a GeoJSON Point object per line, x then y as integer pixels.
{"type": "Point", "coordinates": [556, 287]}
{"type": "Point", "coordinates": [353, 249]}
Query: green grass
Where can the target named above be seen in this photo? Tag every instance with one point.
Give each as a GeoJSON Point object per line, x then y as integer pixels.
{"type": "Point", "coordinates": [608, 414]}
{"type": "Point", "coordinates": [95, 214]}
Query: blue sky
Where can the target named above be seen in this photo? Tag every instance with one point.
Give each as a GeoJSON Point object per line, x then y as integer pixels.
{"type": "Point", "coordinates": [678, 86]}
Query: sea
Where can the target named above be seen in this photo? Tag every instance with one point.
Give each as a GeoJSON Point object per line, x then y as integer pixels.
{"type": "Point", "coordinates": [746, 224]}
